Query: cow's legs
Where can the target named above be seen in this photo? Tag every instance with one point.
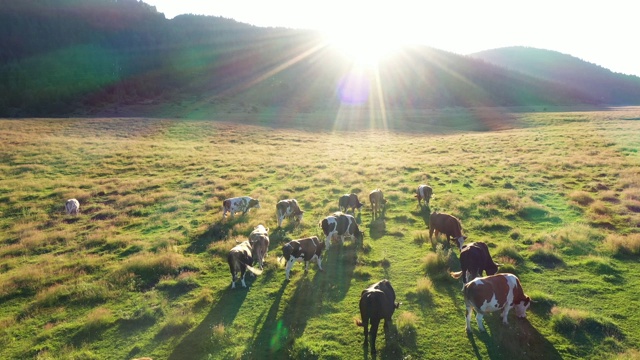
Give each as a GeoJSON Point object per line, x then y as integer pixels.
{"type": "Point", "coordinates": [233, 280]}
{"type": "Point", "coordinates": [479, 317]}
{"type": "Point", "coordinates": [365, 325]}
{"type": "Point", "coordinates": [469, 314]}
{"type": "Point", "coordinates": [327, 242]}
{"type": "Point", "coordinates": [290, 263]}
{"type": "Point", "coordinates": [374, 333]}
{"type": "Point", "coordinates": [320, 264]}
{"type": "Point", "coordinates": [244, 272]}
{"type": "Point", "coordinates": [505, 313]}
{"type": "Point", "coordinates": [280, 218]}
{"type": "Point", "coordinates": [306, 266]}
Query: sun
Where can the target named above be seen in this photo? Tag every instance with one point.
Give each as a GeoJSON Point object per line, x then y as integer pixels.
{"type": "Point", "coordinates": [365, 40]}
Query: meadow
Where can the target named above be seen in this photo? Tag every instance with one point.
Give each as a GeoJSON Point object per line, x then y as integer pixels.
{"type": "Point", "coordinates": [142, 271]}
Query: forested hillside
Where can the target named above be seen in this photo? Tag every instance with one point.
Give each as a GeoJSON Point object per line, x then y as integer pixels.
{"type": "Point", "coordinates": [600, 83]}
{"type": "Point", "coordinates": [73, 57]}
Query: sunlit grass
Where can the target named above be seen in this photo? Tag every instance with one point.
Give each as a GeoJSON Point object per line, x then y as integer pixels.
{"type": "Point", "coordinates": [145, 261]}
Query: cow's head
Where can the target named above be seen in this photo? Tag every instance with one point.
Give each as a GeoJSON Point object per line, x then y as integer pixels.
{"type": "Point", "coordinates": [460, 241]}
{"type": "Point", "coordinates": [254, 203]}
{"type": "Point", "coordinates": [522, 306]}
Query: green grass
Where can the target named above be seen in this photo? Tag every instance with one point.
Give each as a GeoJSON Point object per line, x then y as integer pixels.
{"type": "Point", "coordinates": [142, 270]}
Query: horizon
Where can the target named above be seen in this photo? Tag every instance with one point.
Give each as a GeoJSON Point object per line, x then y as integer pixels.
{"type": "Point", "coordinates": [589, 32]}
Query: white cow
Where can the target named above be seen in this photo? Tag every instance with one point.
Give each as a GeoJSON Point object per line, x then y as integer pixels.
{"type": "Point", "coordinates": [239, 204]}
{"type": "Point", "coordinates": [72, 206]}
{"type": "Point", "coordinates": [259, 239]}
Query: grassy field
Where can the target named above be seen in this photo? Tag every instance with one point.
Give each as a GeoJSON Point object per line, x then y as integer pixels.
{"type": "Point", "coordinates": [142, 270]}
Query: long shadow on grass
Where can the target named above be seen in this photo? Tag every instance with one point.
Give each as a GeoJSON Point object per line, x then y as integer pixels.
{"type": "Point", "coordinates": [275, 338]}
{"type": "Point", "coordinates": [517, 340]}
{"type": "Point", "coordinates": [215, 232]}
{"type": "Point", "coordinates": [195, 345]}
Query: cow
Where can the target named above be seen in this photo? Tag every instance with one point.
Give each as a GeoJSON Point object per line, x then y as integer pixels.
{"type": "Point", "coordinates": [72, 207]}
{"type": "Point", "coordinates": [347, 201]}
{"type": "Point", "coordinates": [424, 192]}
{"type": "Point", "coordinates": [448, 225]}
{"type": "Point", "coordinates": [474, 259]}
{"type": "Point", "coordinates": [240, 260]}
{"type": "Point", "coordinates": [259, 239]}
{"type": "Point", "coordinates": [238, 204]}
{"type": "Point", "coordinates": [494, 292]}
{"type": "Point", "coordinates": [342, 225]}
{"type": "Point", "coordinates": [377, 200]}
{"type": "Point", "coordinates": [377, 302]}
{"type": "Point", "coordinates": [288, 209]}
{"type": "Point", "coordinates": [307, 249]}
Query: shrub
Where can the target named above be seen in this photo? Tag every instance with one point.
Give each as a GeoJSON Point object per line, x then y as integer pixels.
{"type": "Point", "coordinates": [436, 264]}
{"type": "Point", "coordinates": [99, 318]}
{"type": "Point", "coordinates": [569, 322]}
{"type": "Point", "coordinates": [545, 254]}
{"type": "Point", "coordinates": [219, 334]}
{"type": "Point", "coordinates": [581, 197]}
{"type": "Point", "coordinates": [509, 251]}
{"type": "Point", "coordinates": [148, 269]}
{"type": "Point", "coordinates": [424, 289]}
{"type": "Point", "coordinates": [623, 244]}
{"type": "Point", "coordinates": [407, 328]}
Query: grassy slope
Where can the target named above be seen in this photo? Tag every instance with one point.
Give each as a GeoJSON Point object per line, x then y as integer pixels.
{"type": "Point", "coordinates": [142, 271]}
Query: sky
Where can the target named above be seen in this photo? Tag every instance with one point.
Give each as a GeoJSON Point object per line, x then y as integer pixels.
{"type": "Point", "coordinates": [603, 33]}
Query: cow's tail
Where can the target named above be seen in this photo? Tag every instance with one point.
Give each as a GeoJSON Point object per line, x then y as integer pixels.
{"type": "Point", "coordinates": [359, 322]}
{"type": "Point", "coordinates": [456, 275]}
{"type": "Point", "coordinates": [254, 270]}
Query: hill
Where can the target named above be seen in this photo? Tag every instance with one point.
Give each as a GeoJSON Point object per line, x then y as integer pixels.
{"type": "Point", "coordinates": [71, 57]}
{"type": "Point", "coordinates": [599, 83]}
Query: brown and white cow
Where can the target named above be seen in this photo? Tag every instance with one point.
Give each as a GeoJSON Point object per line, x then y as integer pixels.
{"type": "Point", "coordinates": [377, 200]}
{"type": "Point", "coordinates": [239, 204]}
{"type": "Point", "coordinates": [448, 225]}
{"type": "Point", "coordinates": [240, 260]}
{"type": "Point", "coordinates": [307, 249]}
{"type": "Point", "coordinates": [491, 293]}
{"type": "Point", "coordinates": [259, 239]}
{"type": "Point", "coordinates": [342, 225]}
{"type": "Point", "coordinates": [474, 259]}
{"type": "Point", "coordinates": [72, 207]}
{"type": "Point", "coordinates": [424, 192]}
{"type": "Point", "coordinates": [377, 302]}
{"type": "Point", "coordinates": [347, 201]}
{"type": "Point", "coordinates": [288, 209]}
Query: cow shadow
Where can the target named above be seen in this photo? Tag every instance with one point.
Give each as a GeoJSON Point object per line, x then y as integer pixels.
{"type": "Point", "coordinates": [215, 232]}
{"type": "Point", "coordinates": [194, 345]}
{"type": "Point", "coordinates": [274, 333]}
{"type": "Point", "coordinates": [517, 340]}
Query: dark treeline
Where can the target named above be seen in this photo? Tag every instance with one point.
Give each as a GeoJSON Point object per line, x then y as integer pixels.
{"type": "Point", "coordinates": [75, 57]}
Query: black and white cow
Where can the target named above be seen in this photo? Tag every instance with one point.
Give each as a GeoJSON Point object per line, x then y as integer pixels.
{"type": "Point", "coordinates": [424, 192]}
{"type": "Point", "coordinates": [377, 302]}
{"type": "Point", "coordinates": [342, 225]}
{"type": "Point", "coordinates": [474, 259]}
{"type": "Point", "coordinates": [72, 207]}
{"type": "Point", "coordinates": [307, 249]}
{"type": "Point", "coordinates": [239, 204]}
{"type": "Point", "coordinates": [288, 209]}
{"type": "Point", "coordinates": [259, 239]}
{"type": "Point", "coordinates": [347, 201]}
{"type": "Point", "coordinates": [240, 260]}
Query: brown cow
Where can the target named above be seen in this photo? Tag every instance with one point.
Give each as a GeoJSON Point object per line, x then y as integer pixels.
{"type": "Point", "coordinates": [474, 259]}
{"type": "Point", "coordinates": [259, 239]}
{"type": "Point", "coordinates": [377, 200]}
{"type": "Point", "coordinates": [492, 293]}
{"type": "Point", "coordinates": [424, 192]}
{"type": "Point", "coordinates": [349, 201]}
{"type": "Point", "coordinates": [448, 225]}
